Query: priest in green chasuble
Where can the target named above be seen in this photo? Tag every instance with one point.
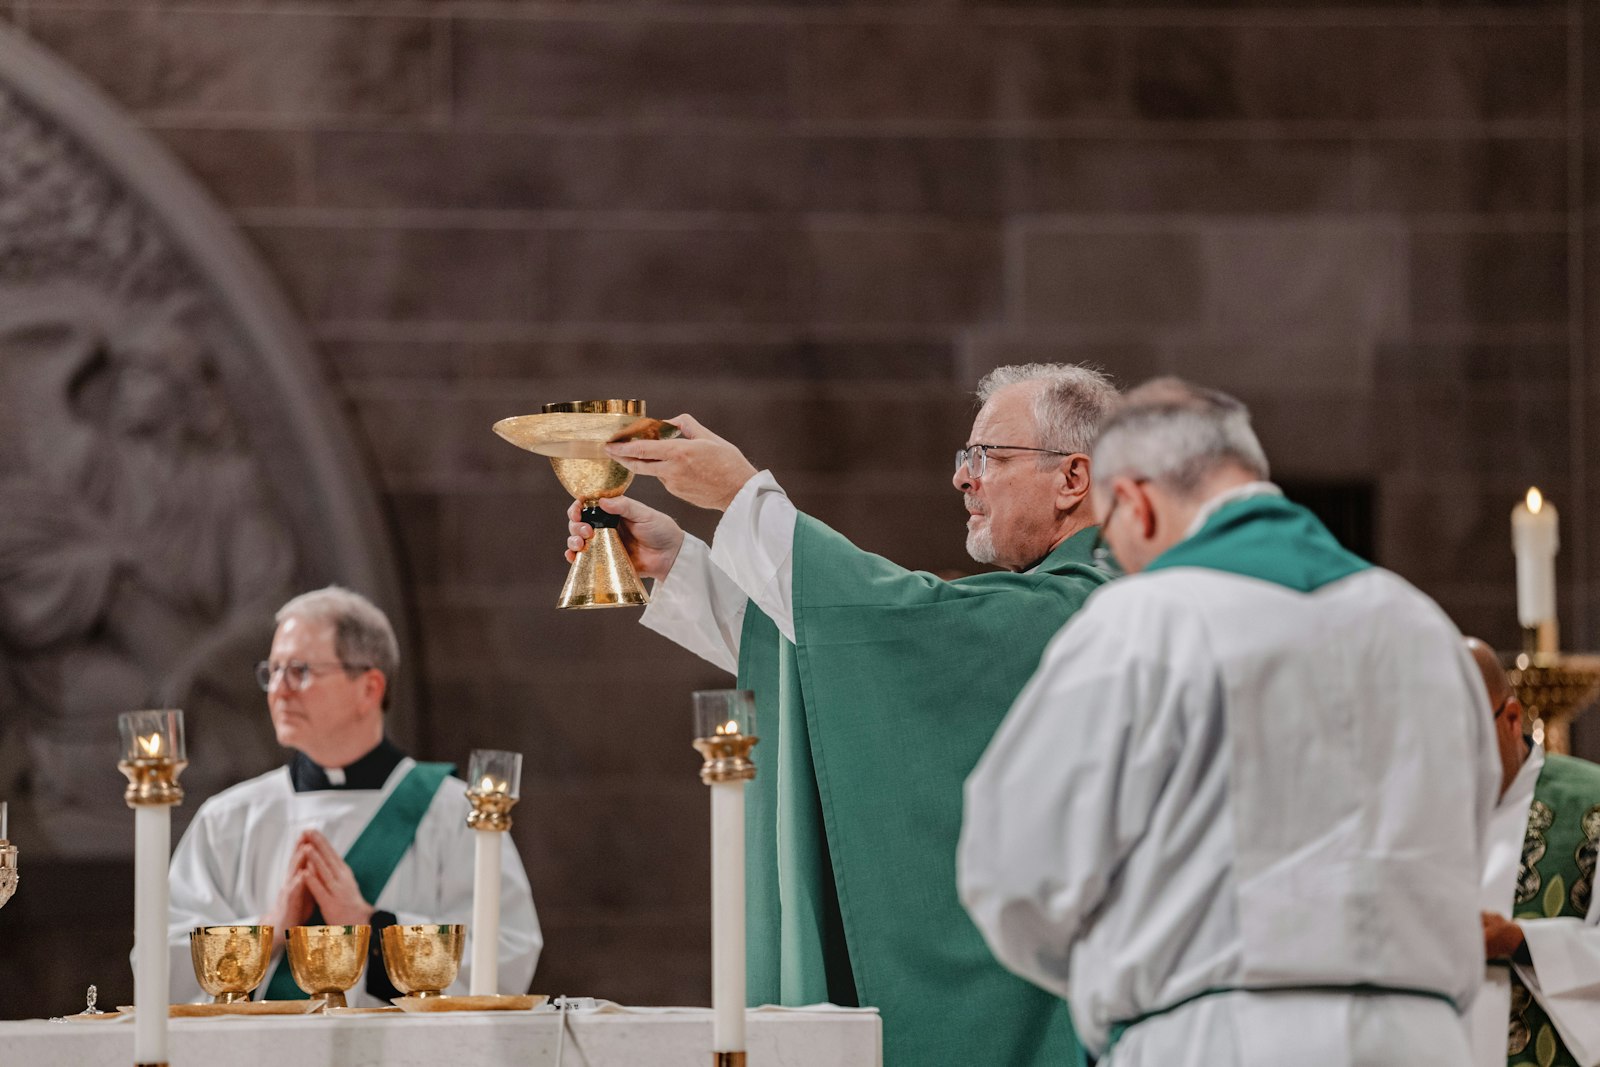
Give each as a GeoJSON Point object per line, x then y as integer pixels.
{"type": "Point", "coordinates": [878, 688]}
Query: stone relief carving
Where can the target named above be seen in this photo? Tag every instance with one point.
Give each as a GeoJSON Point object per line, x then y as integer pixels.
{"type": "Point", "coordinates": [143, 546]}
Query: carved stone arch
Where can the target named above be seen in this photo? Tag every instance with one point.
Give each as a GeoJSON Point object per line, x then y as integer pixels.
{"type": "Point", "coordinates": [172, 461]}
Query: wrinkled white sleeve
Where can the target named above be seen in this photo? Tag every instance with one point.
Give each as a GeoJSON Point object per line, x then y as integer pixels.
{"type": "Point", "coordinates": [700, 604]}
{"type": "Point", "coordinates": [698, 607]}
{"type": "Point", "coordinates": [1565, 976]}
{"type": "Point", "coordinates": [1062, 793]}
{"type": "Point", "coordinates": [456, 846]}
{"type": "Point", "coordinates": [202, 893]}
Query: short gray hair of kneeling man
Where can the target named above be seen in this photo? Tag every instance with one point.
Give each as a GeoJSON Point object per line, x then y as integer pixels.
{"type": "Point", "coordinates": [1177, 435]}
{"type": "Point", "coordinates": [1069, 407]}
{"type": "Point", "coordinates": [362, 636]}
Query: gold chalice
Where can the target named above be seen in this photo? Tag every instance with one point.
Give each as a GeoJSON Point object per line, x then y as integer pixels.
{"type": "Point", "coordinates": [422, 961]}
{"type": "Point", "coordinates": [574, 435]}
{"type": "Point", "coordinates": [230, 961]}
{"type": "Point", "coordinates": [327, 960]}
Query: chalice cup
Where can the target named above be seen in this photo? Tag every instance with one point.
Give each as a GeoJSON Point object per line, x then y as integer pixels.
{"type": "Point", "coordinates": [327, 960]}
{"type": "Point", "coordinates": [8, 871]}
{"type": "Point", "coordinates": [422, 961]}
{"type": "Point", "coordinates": [574, 435]}
{"type": "Point", "coordinates": [230, 961]}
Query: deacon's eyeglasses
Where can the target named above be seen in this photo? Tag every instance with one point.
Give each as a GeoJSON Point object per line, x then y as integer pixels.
{"type": "Point", "coordinates": [297, 674]}
{"type": "Point", "coordinates": [976, 457]}
{"type": "Point", "coordinates": [1101, 552]}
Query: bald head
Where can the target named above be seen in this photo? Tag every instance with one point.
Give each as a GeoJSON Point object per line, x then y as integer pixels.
{"type": "Point", "coordinates": [1495, 681]}
{"type": "Point", "coordinates": [1507, 711]}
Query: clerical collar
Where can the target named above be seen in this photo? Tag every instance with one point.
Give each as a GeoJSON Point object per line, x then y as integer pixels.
{"type": "Point", "coordinates": [369, 772]}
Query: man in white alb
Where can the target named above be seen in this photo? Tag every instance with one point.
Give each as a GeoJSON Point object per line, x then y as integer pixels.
{"type": "Point", "coordinates": [1540, 1002]}
{"type": "Point", "coordinates": [352, 831]}
{"type": "Point", "coordinates": [1237, 816]}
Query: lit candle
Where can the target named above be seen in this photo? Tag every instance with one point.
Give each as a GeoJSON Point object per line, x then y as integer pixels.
{"type": "Point", "coordinates": [1535, 537]}
{"type": "Point", "coordinates": [153, 756]}
{"type": "Point", "coordinates": [724, 727]}
{"type": "Point", "coordinates": [5, 820]}
{"type": "Point", "coordinates": [498, 776]}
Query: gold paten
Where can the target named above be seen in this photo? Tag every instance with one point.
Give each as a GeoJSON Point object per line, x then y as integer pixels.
{"type": "Point", "coordinates": [727, 1059]}
{"type": "Point", "coordinates": [422, 961]}
{"type": "Point", "coordinates": [573, 435]}
{"type": "Point", "coordinates": [727, 758]}
{"type": "Point", "coordinates": [230, 961]}
{"type": "Point", "coordinates": [491, 810]}
{"type": "Point", "coordinates": [1553, 689]}
{"type": "Point", "coordinates": [9, 877]}
{"type": "Point", "coordinates": [327, 960]}
{"type": "Point", "coordinates": [152, 781]}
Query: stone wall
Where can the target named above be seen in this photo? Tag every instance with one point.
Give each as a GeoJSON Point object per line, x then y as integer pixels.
{"type": "Point", "coordinates": [813, 225]}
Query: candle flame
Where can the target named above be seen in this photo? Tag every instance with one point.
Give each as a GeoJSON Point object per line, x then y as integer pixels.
{"type": "Point", "coordinates": [1535, 500]}
{"type": "Point", "coordinates": [729, 727]}
{"type": "Point", "coordinates": [151, 745]}
{"type": "Point", "coordinates": [490, 785]}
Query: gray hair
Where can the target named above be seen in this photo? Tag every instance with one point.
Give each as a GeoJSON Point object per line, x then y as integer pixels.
{"type": "Point", "coordinates": [362, 636]}
{"type": "Point", "coordinates": [1177, 434]}
{"type": "Point", "coordinates": [1068, 408]}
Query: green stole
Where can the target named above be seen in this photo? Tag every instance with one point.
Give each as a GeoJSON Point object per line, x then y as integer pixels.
{"type": "Point", "coordinates": [1556, 878]}
{"type": "Point", "coordinates": [377, 852]}
{"type": "Point", "coordinates": [869, 727]}
{"type": "Point", "coordinates": [1268, 538]}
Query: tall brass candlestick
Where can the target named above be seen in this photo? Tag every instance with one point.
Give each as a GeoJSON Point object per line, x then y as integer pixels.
{"type": "Point", "coordinates": [494, 782]}
{"type": "Point", "coordinates": [154, 754]}
{"type": "Point", "coordinates": [725, 733]}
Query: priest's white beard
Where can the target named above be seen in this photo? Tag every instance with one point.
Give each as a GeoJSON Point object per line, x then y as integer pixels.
{"type": "Point", "coordinates": [980, 545]}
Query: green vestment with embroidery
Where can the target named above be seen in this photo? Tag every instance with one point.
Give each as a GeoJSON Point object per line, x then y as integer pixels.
{"type": "Point", "coordinates": [1556, 878]}
{"type": "Point", "coordinates": [869, 725]}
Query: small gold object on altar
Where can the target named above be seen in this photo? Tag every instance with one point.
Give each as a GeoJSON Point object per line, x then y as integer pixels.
{"type": "Point", "coordinates": [486, 1002]}
{"type": "Point", "coordinates": [573, 435]}
{"type": "Point", "coordinates": [8, 857]}
{"type": "Point", "coordinates": [230, 961]}
{"type": "Point", "coordinates": [326, 961]}
{"type": "Point", "coordinates": [422, 961]}
{"type": "Point", "coordinates": [153, 755]}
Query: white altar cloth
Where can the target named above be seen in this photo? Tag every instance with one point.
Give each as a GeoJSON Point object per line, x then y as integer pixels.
{"type": "Point", "coordinates": [651, 1038]}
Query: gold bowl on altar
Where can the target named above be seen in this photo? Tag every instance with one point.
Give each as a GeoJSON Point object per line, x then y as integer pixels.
{"type": "Point", "coordinates": [230, 961]}
{"type": "Point", "coordinates": [422, 961]}
{"type": "Point", "coordinates": [328, 960]}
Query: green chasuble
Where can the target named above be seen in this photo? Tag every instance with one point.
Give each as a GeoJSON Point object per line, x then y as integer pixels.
{"type": "Point", "coordinates": [869, 726]}
{"type": "Point", "coordinates": [1556, 878]}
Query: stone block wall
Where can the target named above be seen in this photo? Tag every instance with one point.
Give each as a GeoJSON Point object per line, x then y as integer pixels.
{"type": "Point", "coordinates": [814, 224]}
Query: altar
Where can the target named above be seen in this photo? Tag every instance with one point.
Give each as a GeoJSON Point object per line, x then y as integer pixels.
{"type": "Point", "coordinates": [639, 1037]}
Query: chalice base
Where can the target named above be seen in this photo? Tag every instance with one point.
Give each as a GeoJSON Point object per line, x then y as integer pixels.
{"type": "Point", "coordinates": [230, 998]}
{"type": "Point", "coordinates": [330, 1000]}
{"type": "Point", "coordinates": [603, 576]}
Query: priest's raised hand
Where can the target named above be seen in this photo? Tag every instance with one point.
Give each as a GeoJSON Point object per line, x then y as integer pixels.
{"type": "Point", "coordinates": [698, 467]}
{"type": "Point", "coordinates": [650, 537]}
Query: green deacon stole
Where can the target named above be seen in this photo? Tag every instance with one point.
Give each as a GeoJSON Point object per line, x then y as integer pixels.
{"type": "Point", "coordinates": [869, 726]}
{"type": "Point", "coordinates": [1556, 878]}
{"type": "Point", "coordinates": [377, 852]}
{"type": "Point", "coordinates": [1268, 538]}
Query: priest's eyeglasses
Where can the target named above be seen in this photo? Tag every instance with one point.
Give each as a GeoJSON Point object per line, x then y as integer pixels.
{"type": "Point", "coordinates": [297, 674]}
{"type": "Point", "coordinates": [976, 457]}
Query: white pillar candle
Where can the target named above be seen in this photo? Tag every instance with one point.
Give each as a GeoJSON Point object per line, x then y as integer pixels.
{"type": "Point", "coordinates": [152, 851]}
{"type": "Point", "coordinates": [1535, 537]}
{"type": "Point", "coordinates": [5, 818]}
{"type": "Point", "coordinates": [727, 916]}
{"type": "Point", "coordinates": [486, 915]}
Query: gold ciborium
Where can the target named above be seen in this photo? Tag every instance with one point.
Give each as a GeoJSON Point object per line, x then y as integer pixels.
{"type": "Point", "coordinates": [574, 435]}
{"type": "Point", "coordinates": [327, 960]}
{"type": "Point", "coordinates": [422, 961]}
{"type": "Point", "coordinates": [230, 961]}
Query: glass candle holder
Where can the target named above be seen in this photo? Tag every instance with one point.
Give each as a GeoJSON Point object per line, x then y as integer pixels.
{"type": "Point", "coordinates": [724, 713]}
{"type": "Point", "coordinates": [153, 755]}
{"type": "Point", "coordinates": [490, 770]}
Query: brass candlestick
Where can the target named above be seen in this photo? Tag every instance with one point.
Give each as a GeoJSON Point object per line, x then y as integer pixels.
{"type": "Point", "coordinates": [495, 778]}
{"type": "Point", "coordinates": [1554, 688]}
{"type": "Point", "coordinates": [574, 435]}
{"type": "Point", "coordinates": [8, 871]}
